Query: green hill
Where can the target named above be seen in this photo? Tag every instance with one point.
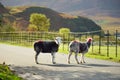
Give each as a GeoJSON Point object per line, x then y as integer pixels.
{"type": "Point", "coordinates": [59, 20]}
{"type": "Point", "coordinates": [19, 18]}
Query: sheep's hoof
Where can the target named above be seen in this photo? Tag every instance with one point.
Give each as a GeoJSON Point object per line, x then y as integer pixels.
{"type": "Point", "coordinates": [84, 62]}
{"type": "Point", "coordinates": [68, 62]}
{"type": "Point", "coordinates": [81, 62]}
{"type": "Point", "coordinates": [54, 62]}
{"type": "Point", "coordinates": [78, 63]}
{"type": "Point", "coordinates": [37, 63]}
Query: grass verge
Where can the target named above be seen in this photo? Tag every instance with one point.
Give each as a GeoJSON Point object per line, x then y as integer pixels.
{"type": "Point", "coordinates": [7, 74]}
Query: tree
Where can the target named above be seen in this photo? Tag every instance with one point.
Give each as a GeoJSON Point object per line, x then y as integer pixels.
{"type": "Point", "coordinates": [64, 31]}
{"type": "Point", "coordinates": [40, 21]}
{"type": "Point", "coordinates": [7, 28]}
{"type": "Point", "coordinates": [32, 27]}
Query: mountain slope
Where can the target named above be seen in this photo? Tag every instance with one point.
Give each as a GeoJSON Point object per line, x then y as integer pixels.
{"type": "Point", "coordinates": [59, 20]}
{"type": "Point", "coordinates": [19, 18]}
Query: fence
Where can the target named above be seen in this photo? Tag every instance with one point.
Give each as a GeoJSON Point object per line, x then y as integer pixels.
{"type": "Point", "coordinates": [108, 44]}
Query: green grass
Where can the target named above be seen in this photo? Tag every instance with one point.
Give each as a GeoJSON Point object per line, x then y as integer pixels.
{"type": "Point", "coordinates": [103, 55]}
{"type": "Point", "coordinates": [7, 74]}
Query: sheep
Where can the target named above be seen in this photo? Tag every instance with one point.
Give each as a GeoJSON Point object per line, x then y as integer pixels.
{"type": "Point", "coordinates": [78, 47]}
{"type": "Point", "coordinates": [47, 47]}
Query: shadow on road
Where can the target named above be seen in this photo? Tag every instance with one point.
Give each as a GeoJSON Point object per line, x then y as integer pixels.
{"type": "Point", "coordinates": [39, 73]}
{"type": "Point", "coordinates": [101, 65]}
{"type": "Point", "coordinates": [65, 65]}
{"type": "Point", "coordinates": [80, 65]}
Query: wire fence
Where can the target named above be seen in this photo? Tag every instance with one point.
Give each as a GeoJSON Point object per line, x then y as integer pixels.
{"type": "Point", "coordinates": [108, 44]}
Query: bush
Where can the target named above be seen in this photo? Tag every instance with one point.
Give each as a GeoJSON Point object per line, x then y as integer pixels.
{"type": "Point", "coordinates": [6, 73]}
{"type": "Point", "coordinates": [7, 28]}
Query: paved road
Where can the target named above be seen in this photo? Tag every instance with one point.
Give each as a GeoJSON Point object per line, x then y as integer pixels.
{"type": "Point", "coordinates": [21, 60]}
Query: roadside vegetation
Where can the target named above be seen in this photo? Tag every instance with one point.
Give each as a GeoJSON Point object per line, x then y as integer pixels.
{"type": "Point", "coordinates": [7, 74]}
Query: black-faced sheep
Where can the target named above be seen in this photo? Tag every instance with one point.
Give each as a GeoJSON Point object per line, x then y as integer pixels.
{"type": "Point", "coordinates": [47, 47]}
{"type": "Point", "coordinates": [78, 47]}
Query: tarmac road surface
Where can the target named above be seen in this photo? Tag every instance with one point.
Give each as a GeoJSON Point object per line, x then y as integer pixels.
{"type": "Point", "coordinates": [21, 60]}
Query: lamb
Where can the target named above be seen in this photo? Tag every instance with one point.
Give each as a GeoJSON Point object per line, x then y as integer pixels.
{"type": "Point", "coordinates": [78, 47]}
{"type": "Point", "coordinates": [47, 47]}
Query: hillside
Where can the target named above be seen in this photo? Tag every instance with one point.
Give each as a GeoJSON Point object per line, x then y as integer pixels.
{"type": "Point", "coordinates": [106, 13]}
{"type": "Point", "coordinates": [59, 20]}
{"type": "Point", "coordinates": [19, 17]}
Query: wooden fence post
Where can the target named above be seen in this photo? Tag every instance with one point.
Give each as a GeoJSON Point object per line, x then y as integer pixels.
{"type": "Point", "coordinates": [116, 42]}
{"type": "Point", "coordinates": [63, 42]}
{"type": "Point", "coordinates": [100, 43]}
{"type": "Point", "coordinates": [92, 43]}
{"type": "Point", "coordinates": [108, 43]}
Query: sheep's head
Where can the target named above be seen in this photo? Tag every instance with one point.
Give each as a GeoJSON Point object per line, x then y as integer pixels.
{"type": "Point", "coordinates": [89, 40]}
{"type": "Point", "coordinates": [58, 40]}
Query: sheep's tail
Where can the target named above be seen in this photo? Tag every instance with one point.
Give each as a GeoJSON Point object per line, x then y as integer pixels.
{"type": "Point", "coordinates": [35, 46]}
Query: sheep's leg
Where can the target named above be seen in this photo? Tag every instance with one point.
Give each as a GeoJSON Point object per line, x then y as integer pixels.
{"type": "Point", "coordinates": [53, 58]}
{"type": "Point", "coordinates": [69, 57]}
{"type": "Point", "coordinates": [82, 58]}
{"type": "Point", "coordinates": [76, 54]}
{"type": "Point", "coordinates": [37, 53]}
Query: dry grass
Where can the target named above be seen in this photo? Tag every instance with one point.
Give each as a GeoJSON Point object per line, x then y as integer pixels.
{"type": "Point", "coordinates": [111, 29]}
{"type": "Point", "coordinates": [18, 9]}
